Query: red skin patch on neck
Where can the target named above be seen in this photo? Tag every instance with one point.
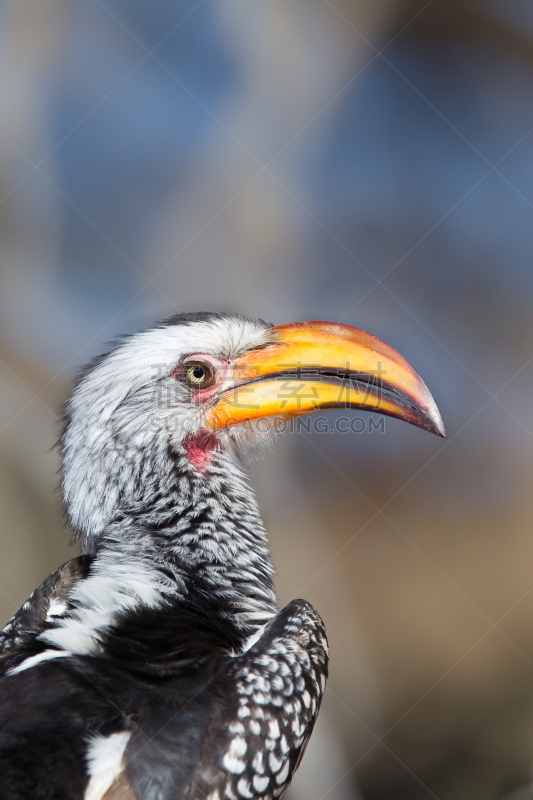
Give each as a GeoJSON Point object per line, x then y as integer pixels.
{"type": "Point", "coordinates": [200, 449]}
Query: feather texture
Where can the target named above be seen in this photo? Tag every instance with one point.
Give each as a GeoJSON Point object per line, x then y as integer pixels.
{"type": "Point", "coordinates": [157, 665]}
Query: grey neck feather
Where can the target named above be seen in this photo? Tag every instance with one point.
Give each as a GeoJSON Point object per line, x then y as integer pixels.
{"type": "Point", "coordinates": [205, 528]}
{"type": "Point", "coordinates": [173, 531]}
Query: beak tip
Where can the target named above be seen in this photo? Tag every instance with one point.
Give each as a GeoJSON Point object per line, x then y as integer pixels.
{"type": "Point", "coordinates": [435, 423]}
{"type": "Point", "coordinates": [440, 430]}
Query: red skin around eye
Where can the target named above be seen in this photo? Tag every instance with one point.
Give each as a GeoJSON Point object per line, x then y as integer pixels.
{"type": "Point", "coordinates": [220, 367]}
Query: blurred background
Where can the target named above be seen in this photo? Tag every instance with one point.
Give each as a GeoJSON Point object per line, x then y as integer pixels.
{"type": "Point", "coordinates": [364, 161]}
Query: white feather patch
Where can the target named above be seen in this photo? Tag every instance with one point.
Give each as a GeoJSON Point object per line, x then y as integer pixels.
{"type": "Point", "coordinates": [32, 661]}
{"type": "Point", "coordinates": [104, 761]}
{"type": "Point", "coordinates": [56, 608]}
{"type": "Point", "coordinates": [114, 588]}
{"type": "Point", "coordinates": [251, 640]}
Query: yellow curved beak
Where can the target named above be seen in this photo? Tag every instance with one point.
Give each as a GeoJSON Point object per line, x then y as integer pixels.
{"type": "Point", "coordinates": [317, 365]}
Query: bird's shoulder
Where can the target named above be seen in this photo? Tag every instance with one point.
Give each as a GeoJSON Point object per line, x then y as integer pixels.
{"type": "Point", "coordinates": [48, 601]}
{"type": "Point", "coordinates": [271, 698]}
{"type": "Point", "coordinates": [240, 730]}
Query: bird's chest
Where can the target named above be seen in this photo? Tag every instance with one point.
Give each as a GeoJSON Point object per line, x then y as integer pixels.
{"type": "Point", "coordinates": [169, 722]}
{"type": "Point", "coordinates": [149, 733]}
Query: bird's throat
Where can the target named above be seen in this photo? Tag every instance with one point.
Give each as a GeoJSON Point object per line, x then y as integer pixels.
{"type": "Point", "coordinates": [201, 449]}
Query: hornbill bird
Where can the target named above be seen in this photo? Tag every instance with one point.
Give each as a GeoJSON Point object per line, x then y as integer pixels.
{"type": "Point", "coordinates": [157, 666]}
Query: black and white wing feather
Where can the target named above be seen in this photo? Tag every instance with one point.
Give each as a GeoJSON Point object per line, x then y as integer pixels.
{"type": "Point", "coordinates": [272, 695]}
{"type": "Point", "coordinates": [47, 602]}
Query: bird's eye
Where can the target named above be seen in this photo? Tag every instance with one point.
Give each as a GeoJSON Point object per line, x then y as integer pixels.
{"type": "Point", "coordinates": [199, 375]}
